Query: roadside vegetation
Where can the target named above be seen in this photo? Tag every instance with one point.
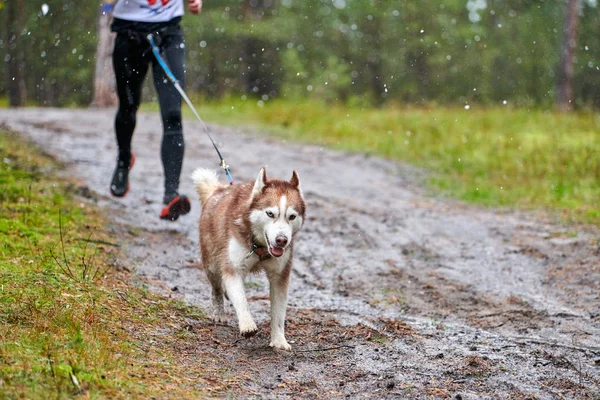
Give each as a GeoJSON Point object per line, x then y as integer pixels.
{"type": "Point", "coordinates": [526, 159]}
{"type": "Point", "coordinates": [71, 324]}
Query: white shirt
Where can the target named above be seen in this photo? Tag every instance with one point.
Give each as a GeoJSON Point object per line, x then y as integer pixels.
{"type": "Point", "coordinates": [148, 10]}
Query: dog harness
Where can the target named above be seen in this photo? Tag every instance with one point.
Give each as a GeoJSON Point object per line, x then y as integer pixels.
{"type": "Point", "coordinates": [261, 251]}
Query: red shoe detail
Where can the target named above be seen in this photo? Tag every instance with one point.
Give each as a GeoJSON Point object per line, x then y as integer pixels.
{"type": "Point", "coordinates": [132, 161]}
{"type": "Point", "coordinates": [180, 205]}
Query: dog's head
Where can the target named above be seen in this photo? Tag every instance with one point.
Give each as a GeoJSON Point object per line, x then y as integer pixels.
{"type": "Point", "coordinates": [277, 211]}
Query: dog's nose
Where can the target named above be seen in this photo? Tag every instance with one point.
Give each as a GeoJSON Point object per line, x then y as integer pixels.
{"type": "Point", "coordinates": [281, 240]}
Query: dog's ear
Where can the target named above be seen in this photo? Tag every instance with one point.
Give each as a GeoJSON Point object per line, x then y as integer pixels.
{"type": "Point", "coordinates": [259, 185]}
{"type": "Point", "coordinates": [295, 181]}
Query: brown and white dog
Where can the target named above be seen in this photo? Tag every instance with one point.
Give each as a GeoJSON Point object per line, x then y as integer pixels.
{"type": "Point", "coordinates": [248, 228]}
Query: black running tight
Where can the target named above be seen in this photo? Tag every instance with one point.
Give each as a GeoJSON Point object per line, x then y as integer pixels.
{"type": "Point", "coordinates": [131, 57]}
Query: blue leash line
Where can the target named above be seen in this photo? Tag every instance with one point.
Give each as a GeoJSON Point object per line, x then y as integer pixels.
{"type": "Point", "coordinates": [162, 62]}
{"type": "Point", "coordinates": [175, 81]}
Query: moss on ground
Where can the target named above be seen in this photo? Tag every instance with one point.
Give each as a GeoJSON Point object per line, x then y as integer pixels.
{"type": "Point", "coordinates": [70, 324]}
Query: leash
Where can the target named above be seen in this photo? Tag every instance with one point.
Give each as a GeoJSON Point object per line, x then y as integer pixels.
{"type": "Point", "coordinates": [175, 81]}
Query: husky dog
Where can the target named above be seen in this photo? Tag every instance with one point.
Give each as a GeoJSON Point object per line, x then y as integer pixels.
{"type": "Point", "coordinates": [248, 228]}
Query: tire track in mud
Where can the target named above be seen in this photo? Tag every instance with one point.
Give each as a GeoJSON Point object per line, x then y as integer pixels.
{"type": "Point", "coordinates": [407, 296]}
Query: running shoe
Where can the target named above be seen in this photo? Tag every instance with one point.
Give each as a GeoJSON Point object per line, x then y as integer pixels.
{"type": "Point", "coordinates": [120, 180]}
{"type": "Point", "coordinates": [179, 205]}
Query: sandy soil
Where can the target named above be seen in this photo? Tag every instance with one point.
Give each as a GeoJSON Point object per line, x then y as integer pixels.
{"type": "Point", "coordinates": [394, 294]}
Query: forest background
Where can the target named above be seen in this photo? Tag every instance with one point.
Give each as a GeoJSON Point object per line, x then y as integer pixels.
{"type": "Point", "coordinates": [365, 52]}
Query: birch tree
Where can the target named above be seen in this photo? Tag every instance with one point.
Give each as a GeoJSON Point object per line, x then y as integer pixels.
{"type": "Point", "coordinates": [104, 76]}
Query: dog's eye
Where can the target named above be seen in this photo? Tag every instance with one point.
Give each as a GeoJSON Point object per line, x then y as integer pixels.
{"type": "Point", "coordinates": [292, 217]}
{"type": "Point", "coordinates": [270, 214]}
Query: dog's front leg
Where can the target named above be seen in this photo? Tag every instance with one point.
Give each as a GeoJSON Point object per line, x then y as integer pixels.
{"type": "Point", "coordinates": [278, 290]}
{"type": "Point", "coordinates": [218, 311]}
{"type": "Point", "coordinates": [234, 286]}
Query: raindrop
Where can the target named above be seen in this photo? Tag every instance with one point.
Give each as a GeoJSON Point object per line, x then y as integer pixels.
{"type": "Point", "coordinates": [45, 9]}
{"type": "Point", "coordinates": [339, 4]}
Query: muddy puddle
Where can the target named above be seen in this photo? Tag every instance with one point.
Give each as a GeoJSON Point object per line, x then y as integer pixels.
{"type": "Point", "coordinates": [394, 294]}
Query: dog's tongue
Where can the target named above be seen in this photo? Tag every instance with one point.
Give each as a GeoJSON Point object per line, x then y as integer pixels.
{"type": "Point", "coordinates": [276, 251]}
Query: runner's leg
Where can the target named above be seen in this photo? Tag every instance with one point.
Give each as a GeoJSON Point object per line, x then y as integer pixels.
{"type": "Point", "coordinates": [130, 65]}
{"type": "Point", "coordinates": [173, 146]}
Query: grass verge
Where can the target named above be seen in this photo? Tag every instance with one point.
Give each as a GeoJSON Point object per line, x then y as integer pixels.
{"type": "Point", "coordinates": [530, 159]}
{"type": "Point", "coordinates": [70, 324]}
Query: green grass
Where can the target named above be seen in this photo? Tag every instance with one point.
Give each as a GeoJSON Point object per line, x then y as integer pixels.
{"type": "Point", "coordinates": [70, 325]}
{"type": "Point", "coordinates": [528, 159]}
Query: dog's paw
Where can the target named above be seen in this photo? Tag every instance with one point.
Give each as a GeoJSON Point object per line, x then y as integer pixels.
{"type": "Point", "coordinates": [217, 314]}
{"type": "Point", "coordinates": [219, 317]}
{"type": "Point", "coordinates": [248, 330]}
{"type": "Point", "coordinates": [280, 344]}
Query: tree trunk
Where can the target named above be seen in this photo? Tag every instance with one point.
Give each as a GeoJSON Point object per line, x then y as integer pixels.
{"type": "Point", "coordinates": [104, 78]}
{"type": "Point", "coordinates": [260, 63]}
{"type": "Point", "coordinates": [373, 38]}
{"type": "Point", "coordinates": [17, 91]}
{"type": "Point", "coordinates": [567, 55]}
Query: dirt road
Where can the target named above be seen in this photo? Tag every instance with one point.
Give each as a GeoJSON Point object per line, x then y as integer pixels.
{"type": "Point", "coordinates": [394, 294]}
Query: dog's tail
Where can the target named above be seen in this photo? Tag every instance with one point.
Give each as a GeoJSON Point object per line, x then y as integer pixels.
{"type": "Point", "coordinates": [206, 182]}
